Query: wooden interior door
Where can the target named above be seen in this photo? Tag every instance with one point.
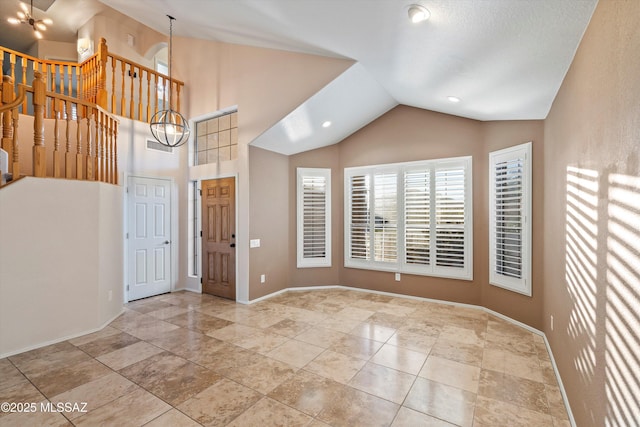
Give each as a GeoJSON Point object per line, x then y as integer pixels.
{"type": "Point", "coordinates": [218, 237]}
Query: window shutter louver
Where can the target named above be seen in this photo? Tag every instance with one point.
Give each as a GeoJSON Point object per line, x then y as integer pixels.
{"type": "Point", "coordinates": [385, 210]}
{"type": "Point", "coordinates": [450, 217]}
{"type": "Point", "coordinates": [359, 217]}
{"type": "Point", "coordinates": [314, 217]}
{"type": "Point", "coordinates": [509, 232]}
{"type": "Point", "coordinates": [417, 217]}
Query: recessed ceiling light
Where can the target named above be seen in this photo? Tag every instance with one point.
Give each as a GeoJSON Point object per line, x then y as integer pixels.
{"type": "Point", "coordinates": [418, 13]}
{"type": "Point", "coordinates": [453, 99]}
{"type": "Point", "coordinates": [326, 124]}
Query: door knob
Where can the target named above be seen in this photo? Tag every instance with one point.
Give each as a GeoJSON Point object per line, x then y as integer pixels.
{"type": "Point", "coordinates": [166, 242]}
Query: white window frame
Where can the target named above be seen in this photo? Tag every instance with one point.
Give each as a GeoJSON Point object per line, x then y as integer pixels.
{"type": "Point", "coordinates": [301, 174]}
{"type": "Point", "coordinates": [523, 284]}
{"type": "Point", "coordinates": [465, 272]}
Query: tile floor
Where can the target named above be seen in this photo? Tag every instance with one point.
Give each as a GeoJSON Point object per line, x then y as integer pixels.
{"type": "Point", "coordinates": [307, 358]}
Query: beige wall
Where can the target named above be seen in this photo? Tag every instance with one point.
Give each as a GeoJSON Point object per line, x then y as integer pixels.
{"type": "Point", "coordinates": [408, 134]}
{"type": "Point", "coordinates": [592, 221]}
{"type": "Point", "coordinates": [55, 281]}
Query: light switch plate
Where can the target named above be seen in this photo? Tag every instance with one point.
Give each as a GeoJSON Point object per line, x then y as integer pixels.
{"type": "Point", "coordinates": [254, 243]}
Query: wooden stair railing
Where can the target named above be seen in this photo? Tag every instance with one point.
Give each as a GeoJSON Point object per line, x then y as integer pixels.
{"type": "Point", "coordinates": [92, 159]}
{"type": "Point", "coordinates": [112, 82]}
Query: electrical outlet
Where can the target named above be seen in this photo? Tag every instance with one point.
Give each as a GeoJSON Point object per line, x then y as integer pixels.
{"type": "Point", "coordinates": [263, 278]}
{"type": "Point", "coordinates": [552, 322]}
{"type": "Point", "coordinates": [397, 277]}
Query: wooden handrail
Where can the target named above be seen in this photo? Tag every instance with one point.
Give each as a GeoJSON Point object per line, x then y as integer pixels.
{"type": "Point", "coordinates": [94, 159]}
{"type": "Point", "coordinates": [116, 84]}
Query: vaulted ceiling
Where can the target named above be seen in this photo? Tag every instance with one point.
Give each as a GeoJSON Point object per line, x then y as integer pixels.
{"type": "Point", "coordinates": [504, 59]}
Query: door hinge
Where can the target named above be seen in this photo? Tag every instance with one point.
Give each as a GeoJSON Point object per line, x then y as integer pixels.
{"type": "Point", "coordinates": [200, 279]}
{"type": "Point", "coordinates": [127, 287]}
{"type": "Point", "coordinates": [127, 235]}
{"type": "Point", "coordinates": [200, 193]}
{"type": "Point", "coordinates": [200, 233]}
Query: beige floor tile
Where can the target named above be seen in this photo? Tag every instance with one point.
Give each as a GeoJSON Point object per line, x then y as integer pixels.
{"type": "Point", "coordinates": [198, 321]}
{"type": "Point", "coordinates": [40, 419]}
{"type": "Point", "coordinates": [220, 404]}
{"type": "Point", "coordinates": [387, 319]}
{"type": "Point", "coordinates": [409, 418]}
{"type": "Point", "coordinates": [170, 377]}
{"type": "Point", "coordinates": [469, 354]}
{"type": "Point", "coordinates": [268, 412]}
{"type": "Point", "coordinates": [383, 382]}
{"type": "Point", "coordinates": [353, 313]}
{"type": "Point", "coordinates": [321, 337]}
{"type": "Point", "coordinates": [556, 403]}
{"type": "Point", "coordinates": [336, 366]}
{"type": "Point", "coordinates": [10, 375]}
{"type": "Point", "coordinates": [152, 331]}
{"type": "Point", "coordinates": [307, 392]}
{"type": "Point", "coordinates": [295, 353]}
{"type": "Point", "coordinates": [261, 341]}
{"type": "Point", "coordinates": [339, 324]}
{"type": "Point", "coordinates": [23, 392]}
{"type": "Point", "coordinates": [456, 374]}
{"type": "Point", "coordinates": [447, 403]}
{"type": "Point", "coordinates": [518, 344]}
{"type": "Point", "coordinates": [96, 393]}
{"type": "Point", "coordinates": [172, 418]}
{"type": "Point", "coordinates": [147, 306]}
{"type": "Point", "coordinates": [168, 312]}
{"type": "Point", "coordinates": [102, 333]}
{"type": "Point", "coordinates": [54, 382]}
{"type": "Point", "coordinates": [515, 390]}
{"type": "Point", "coordinates": [412, 341]}
{"type": "Point", "coordinates": [135, 408]}
{"type": "Point", "coordinates": [561, 423]}
{"type": "Point", "coordinates": [233, 332]}
{"type": "Point", "coordinates": [129, 355]}
{"type": "Point", "coordinates": [289, 328]}
{"type": "Point", "coordinates": [463, 335]}
{"type": "Point", "coordinates": [401, 359]}
{"type": "Point", "coordinates": [355, 408]}
{"type": "Point", "coordinates": [548, 374]}
{"type": "Point", "coordinates": [51, 357]}
{"type": "Point", "coordinates": [361, 348]}
{"type": "Point", "coordinates": [520, 366]}
{"type": "Point", "coordinates": [263, 374]}
{"type": "Point", "coordinates": [373, 331]}
{"type": "Point", "coordinates": [108, 344]}
{"type": "Point", "coordinates": [490, 412]}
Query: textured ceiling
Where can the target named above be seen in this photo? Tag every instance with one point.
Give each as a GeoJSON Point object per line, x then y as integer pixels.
{"type": "Point", "coordinates": [505, 59]}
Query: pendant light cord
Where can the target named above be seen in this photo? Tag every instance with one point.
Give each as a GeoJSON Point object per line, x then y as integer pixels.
{"type": "Point", "coordinates": [171, 19]}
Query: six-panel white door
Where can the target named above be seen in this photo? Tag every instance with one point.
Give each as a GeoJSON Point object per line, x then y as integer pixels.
{"type": "Point", "coordinates": [149, 237]}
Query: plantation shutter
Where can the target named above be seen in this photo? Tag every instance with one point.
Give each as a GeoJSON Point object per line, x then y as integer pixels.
{"type": "Point", "coordinates": [314, 217]}
{"type": "Point", "coordinates": [509, 228]}
{"type": "Point", "coordinates": [359, 225]}
{"type": "Point", "coordinates": [450, 217]}
{"type": "Point", "coordinates": [386, 217]}
{"type": "Point", "coordinates": [417, 217]}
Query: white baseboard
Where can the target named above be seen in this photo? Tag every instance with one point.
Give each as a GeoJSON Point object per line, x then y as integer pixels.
{"type": "Point", "coordinates": [457, 304]}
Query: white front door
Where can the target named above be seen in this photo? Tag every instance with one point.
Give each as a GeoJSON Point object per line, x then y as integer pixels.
{"type": "Point", "coordinates": [149, 237]}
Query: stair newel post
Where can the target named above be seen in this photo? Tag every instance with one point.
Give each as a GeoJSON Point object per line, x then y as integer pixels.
{"type": "Point", "coordinates": [79, 156]}
{"type": "Point", "coordinates": [68, 157]}
{"type": "Point", "coordinates": [39, 100]}
{"type": "Point", "coordinates": [8, 95]}
{"type": "Point", "coordinates": [101, 98]}
{"type": "Point", "coordinates": [57, 156]}
{"type": "Point", "coordinates": [16, 160]}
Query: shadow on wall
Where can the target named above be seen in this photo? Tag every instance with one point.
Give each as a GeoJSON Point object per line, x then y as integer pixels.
{"type": "Point", "coordinates": [603, 279]}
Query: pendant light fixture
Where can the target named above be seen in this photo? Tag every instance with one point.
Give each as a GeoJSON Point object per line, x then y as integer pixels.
{"type": "Point", "coordinates": [25, 16]}
{"type": "Point", "coordinates": [168, 126]}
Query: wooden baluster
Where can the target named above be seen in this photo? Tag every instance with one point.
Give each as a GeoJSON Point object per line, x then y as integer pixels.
{"type": "Point", "coordinates": [155, 96]}
{"type": "Point", "coordinates": [12, 61]}
{"type": "Point", "coordinates": [39, 100]}
{"type": "Point", "coordinates": [60, 73]}
{"type": "Point", "coordinates": [57, 155]}
{"type": "Point", "coordinates": [7, 131]}
{"type": "Point", "coordinates": [102, 76]}
{"type": "Point", "coordinates": [89, 160]}
{"type": "Point", "coordinates": [68, 156]}
{"type": "Point", "coordinates": [101, 153]}
{"type": "Point", "coordinates": [123, 107]}
{"type": "Point", "coordinates": [178, 97]}
{"type": "Point", "coordinates": [132, 113]}
{"type": "Point", "coordinates": [77, 86]}
{"type": "Point", "coordinates": [115, 152]}
{"type": "Point", "coordinates": [113, 86]}
{"type": "Point", "coordinates": [2, 61]}
{"type": "Point", "coordinates": [23, 62]}
{"type": "Point", "coordinates": [15, 169]}
{"type": "Point", "coordinates": [96, 142]}
{"type": "Point", "coordinates": [79, 156]}
{"type": "Point", "coordinates": [148, 97]}
{"type": "Point", "coordinates": [109, 134]}
{"type": "Point", "coordinates": [139, 94]}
